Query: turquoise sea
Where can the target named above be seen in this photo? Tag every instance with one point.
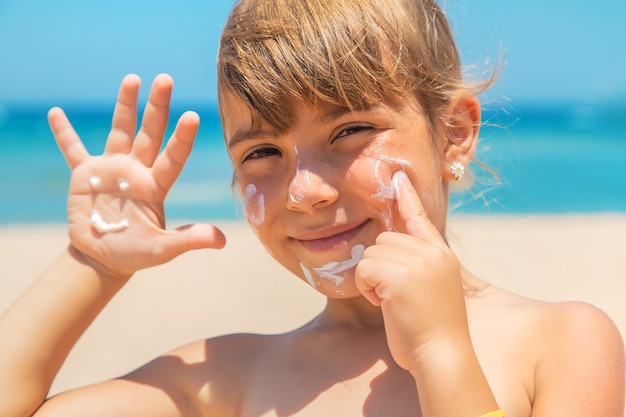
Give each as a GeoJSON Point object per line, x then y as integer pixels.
{"type": "Point", "coordinates": [550, 159]}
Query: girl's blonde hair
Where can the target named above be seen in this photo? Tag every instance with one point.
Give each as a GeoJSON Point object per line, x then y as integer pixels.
{"type": "Point", "coordinates": [346, 53]}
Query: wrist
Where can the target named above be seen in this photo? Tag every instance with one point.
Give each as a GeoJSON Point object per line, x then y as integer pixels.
{"type": "Point", "coordinates": [98, 268]}
{"type": "Point", "coordinates": [441, 353]}
{"type": "Point", "coordinates": [450, 380]}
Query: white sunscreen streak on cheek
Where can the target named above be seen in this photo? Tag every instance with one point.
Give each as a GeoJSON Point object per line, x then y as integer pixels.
{"type": "Point", "coordinates": [332, 270]}
{"type": "Point", "coordinates": [308, 276]}
{"type": "Point", "coordinates": [386, 192]}
{"type": "Point", "coordinates": [101, 226]}
{"type": "Point", "coordinates": [254, 204]}
{"type": "Point", "coordinates": [388, 218]}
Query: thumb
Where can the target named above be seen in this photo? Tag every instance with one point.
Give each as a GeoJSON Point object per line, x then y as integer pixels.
{"type": "Point", "coordinates": [189, 237]}
{"type": "Point", "coordinates": [412, 216]}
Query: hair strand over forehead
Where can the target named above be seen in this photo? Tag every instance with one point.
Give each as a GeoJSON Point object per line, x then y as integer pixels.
{"type": "Point", "coordinates": [346, 53]}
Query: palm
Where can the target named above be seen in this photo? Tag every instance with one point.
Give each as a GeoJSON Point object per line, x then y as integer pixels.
{"type": "Point", "coordinates": [140, 205]}
{"type": "Point", "coordinates": [128, 184]}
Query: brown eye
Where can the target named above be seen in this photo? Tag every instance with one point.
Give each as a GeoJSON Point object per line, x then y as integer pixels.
{"type": "Point", "coordinates": [352, 130]}
{"type": "Point", "coordinates": [260, 153]}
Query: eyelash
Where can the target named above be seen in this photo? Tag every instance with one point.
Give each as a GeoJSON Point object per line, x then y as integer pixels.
{"type": "Point", "coordinates": [265, 152]}
{"type": "Point", "coordinates": [261, 153]}
{"type": "Point", "coordinates": [352, 130]}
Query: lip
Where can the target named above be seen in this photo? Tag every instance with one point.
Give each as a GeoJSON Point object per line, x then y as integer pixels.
{"type": "Point", "coordinates": [325, 239]}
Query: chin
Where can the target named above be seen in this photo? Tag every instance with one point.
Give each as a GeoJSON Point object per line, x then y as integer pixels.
{"type": "Point", "coordinates": [337, 290]}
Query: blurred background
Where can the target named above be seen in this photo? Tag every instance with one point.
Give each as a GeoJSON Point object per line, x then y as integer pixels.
{"type": "Point", "coordinates": [558, 140]}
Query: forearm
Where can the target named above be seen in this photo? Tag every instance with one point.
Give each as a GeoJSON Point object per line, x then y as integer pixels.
{"type": "Point", "coordinates": [41, 327]}
{"type": "Point", "coordinates": [451, 382]}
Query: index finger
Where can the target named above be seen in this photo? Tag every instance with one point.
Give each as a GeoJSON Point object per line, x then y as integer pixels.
{"type": "Point", "coordinates": [410, 208]}
{"type": "Point", "coordinates": [66, 137]}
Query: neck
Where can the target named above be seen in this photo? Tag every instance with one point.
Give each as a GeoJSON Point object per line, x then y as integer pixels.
{"type": "Point", "coordinates": [359, 314]}
{"type": "Point", "coordinates": [356, 313]}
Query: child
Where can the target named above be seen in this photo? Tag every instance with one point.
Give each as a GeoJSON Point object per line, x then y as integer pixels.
{"type": "Point", "coordinates": [346, 122]}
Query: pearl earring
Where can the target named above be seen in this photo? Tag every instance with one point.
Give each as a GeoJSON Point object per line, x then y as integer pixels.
{"type": "Point", "coordinates": [457, 169]}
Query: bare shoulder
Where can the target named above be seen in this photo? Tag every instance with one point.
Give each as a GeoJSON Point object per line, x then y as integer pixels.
{"type": "Point", "coordinates": [555, 328]}
{"type": "Point", "coordinates": [551, 320]}
{"type": "Point", "coordinates": [211, 373]}
{"type": "Point", "coordinates": [574, 348]}
{"type": "Point", "coordinates": [202, 378]}
{"type": "Point", "coordinates": [582, 360]}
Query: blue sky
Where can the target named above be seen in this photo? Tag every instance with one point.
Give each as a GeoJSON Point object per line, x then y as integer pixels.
{"type": "Point", "coordinates": [68, 51]}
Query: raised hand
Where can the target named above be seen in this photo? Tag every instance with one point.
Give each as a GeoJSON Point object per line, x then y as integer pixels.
{"type": "Point", "coordinates": [415, 278]}
{"type": "Point", "coordinates": [115, 203]}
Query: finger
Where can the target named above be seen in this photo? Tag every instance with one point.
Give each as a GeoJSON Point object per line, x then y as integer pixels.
{"type": "Point", "coordinates": [150, 137]}
{"type": "Point", "coordinates": [410, 207]}
{"type": "Point", "coordinates": [66, 137]}
{"type": "Point", "coordinates": [189, 237]}
{"type": "Point", "coordinates": [124, 125]}
{"type": "Point", "coordinates": [171, 161]}
{"type": "Point", "coordinates": [372, 278]}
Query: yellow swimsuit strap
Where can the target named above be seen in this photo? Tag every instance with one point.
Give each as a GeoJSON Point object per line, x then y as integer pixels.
{"type": "Point", "coordinates": [498, 413]}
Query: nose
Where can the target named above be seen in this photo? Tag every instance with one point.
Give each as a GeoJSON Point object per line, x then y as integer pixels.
{"type": "Point", "coordinates": [309, 191]}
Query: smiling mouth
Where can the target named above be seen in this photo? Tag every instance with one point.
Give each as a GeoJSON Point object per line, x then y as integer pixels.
{"type": "Point", "coordinates": [330, 239]}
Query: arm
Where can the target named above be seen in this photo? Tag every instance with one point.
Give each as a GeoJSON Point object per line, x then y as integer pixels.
{"type": "Point", "coordinates": [416, 280]}
{"type": "Point", "coordinates": [581, 369]}
{"type": "Point", "coordinates": [40, 328]}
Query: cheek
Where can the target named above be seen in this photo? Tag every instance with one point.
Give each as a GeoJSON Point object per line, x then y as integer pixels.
{"type": "Point", "coordinates": [254, 205]}
{"type": "Point", "coordinates": [372, 174]}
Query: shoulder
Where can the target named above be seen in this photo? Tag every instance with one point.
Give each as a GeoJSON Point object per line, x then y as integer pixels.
{"type": "Point", "coordinates": [578, 328]}
{"type": "Point", "coordinates": [209, 373]}
{"type": "Point", "coordinates": [551, 321]}
{"type": "Point", "coordinates": [577, 351]}
{"type": "Point", "coordinates": [556, 328]}
{"type": "Point", "coordinates": [575, 328]}
{"type": "Point", "coordinates": [581, 362]}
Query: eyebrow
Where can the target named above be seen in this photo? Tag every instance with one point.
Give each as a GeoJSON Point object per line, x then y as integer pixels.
{"type": "Point", "coordinates": [338, 112]}
{"type": "Point", "coordinates": [324, 118]}
{"type": "Point", "coordinates": [247, 135]}
{"type": "Point", "coordinates": [329, 116]}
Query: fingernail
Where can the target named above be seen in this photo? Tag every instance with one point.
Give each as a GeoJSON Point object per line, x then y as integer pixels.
{"type": "Point", "coordinates": [395, 180]}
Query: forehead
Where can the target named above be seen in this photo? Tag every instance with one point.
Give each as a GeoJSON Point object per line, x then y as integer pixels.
{"type": "Point", "coordinates": [236, 116]}
{"type": "Point", "coordinates": [239, 120]}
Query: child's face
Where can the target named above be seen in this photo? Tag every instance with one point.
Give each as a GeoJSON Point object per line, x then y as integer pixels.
{"type": "Point", "coordinates": [320, 193]}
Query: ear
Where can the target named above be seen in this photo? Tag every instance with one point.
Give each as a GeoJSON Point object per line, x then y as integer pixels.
{"type": "Point", "coordinates": [462, 126]}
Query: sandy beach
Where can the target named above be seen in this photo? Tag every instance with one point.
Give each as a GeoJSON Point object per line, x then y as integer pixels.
{"type": "Point", "coordinates": [241, 289]}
